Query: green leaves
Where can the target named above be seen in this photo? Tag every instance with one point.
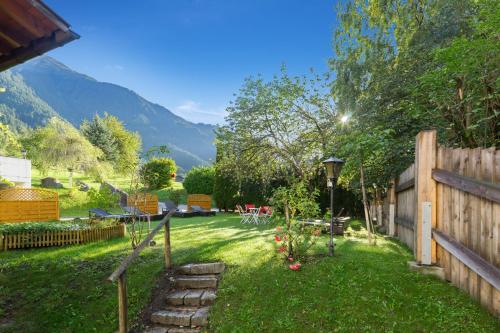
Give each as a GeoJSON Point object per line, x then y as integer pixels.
{"type": "Point", "coordinates": [40, 227]}
{"type": "Point", "coordinates": [200, 180]}
{"type": "Point", "coordinates": [158, 173]}
{"type": "Point", "coordinates": [59, 145]}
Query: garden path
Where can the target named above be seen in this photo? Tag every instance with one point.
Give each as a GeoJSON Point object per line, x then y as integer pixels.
{"type": "Point", "coordinates": [186, 305]}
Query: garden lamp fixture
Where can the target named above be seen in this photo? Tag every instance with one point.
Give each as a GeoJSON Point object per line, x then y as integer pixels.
{"type": "Point", "coordinates": [333, 167]}
{"type": "Point", "coordinates": [25, 153]}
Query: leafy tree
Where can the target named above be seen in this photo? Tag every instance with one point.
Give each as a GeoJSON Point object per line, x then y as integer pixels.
{"type": "Point", "coordinates": [59, 145]}
{"type": "Point", "coordinates": [200, 180]}
{"type": "Point", "coordinates": [462, 84]}
{"type": "Point", "coordinates": [128, 144]}
{"type": "Point", "coordinates": [101, 136]}
{"type": "Point", "coordinates": [9, 145]}
{"type": "Point", "coordinates": [157, 172]}
{"type": "Point", "coordinates": [157, 151]}
{"type": "Point", "coordinates": [176, 195]}
{"type": "Point", "coordinates": [225, 182]}
{"type": "Point", "coordinates": [283, 124]}
{"type": "Point", "coordinates": [390, 79]}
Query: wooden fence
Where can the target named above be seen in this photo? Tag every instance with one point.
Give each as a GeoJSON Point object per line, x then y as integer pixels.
{"type": "Point", "coordinates": [446, 207]}
{"type": "Point", "coordinates": [28, 204]}
{"type": "Point", "coordinates": [146, 202]}
{"type": "Point", "coordinates": [59, 238]}
{"type": "Point", "coordinates": [202, 200]}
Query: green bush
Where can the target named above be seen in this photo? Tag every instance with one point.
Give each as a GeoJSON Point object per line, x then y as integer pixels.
{"type": "Point", "coordinates": [157, 172]}
{"type": "Point", "coordinates": [4, 182]}
{"type": "Point", "coordinates": [225, 190]}
{"type": "Point", "coordinates": [176, 195]}
{"type": "Point", "coordinates": [200, 180]}
{"type": "Point", "coordinates": [39, 227]}
{"type": "Point", "coordinates": [102, 198]}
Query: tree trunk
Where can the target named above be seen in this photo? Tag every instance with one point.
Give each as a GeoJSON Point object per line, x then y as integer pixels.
{"type": "Point", "coordinates": [365, 203]}
{"type": "Point", "coordinates": [70, 179]}
{"type": "Point", "coordinates": [287, 220]}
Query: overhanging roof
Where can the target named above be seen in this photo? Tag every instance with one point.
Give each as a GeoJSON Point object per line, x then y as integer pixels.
{"type": "Point", "coordinates": [29, 28]}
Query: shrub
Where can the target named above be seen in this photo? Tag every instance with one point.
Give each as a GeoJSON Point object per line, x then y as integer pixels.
{"type": "Point", "coordinates": [200, 180]}
{"type": "Point", "coordinates": [225, 188]}
{"type": "Point", "coordinates": [4, 182]}
{"type": "Point", "coordinates": [176, 195]}
{"type": "Point", "coordinates": [40, 227]}
{"type": "Point", "coordinates": [103, 198]}
{"type": "Point", "coordinates": [157, 172]}
{"type": "Point", "coordinates": [293, 239]}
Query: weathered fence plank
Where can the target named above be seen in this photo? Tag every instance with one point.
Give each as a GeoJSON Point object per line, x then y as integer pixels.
{"type": "Point", "coordinates": [461, 187]}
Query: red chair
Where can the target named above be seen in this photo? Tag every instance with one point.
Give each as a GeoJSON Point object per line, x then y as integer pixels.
{"type": "Point", "coordinates": [265, 214]}
{"type": "Point", "coordinates": [248, 206]}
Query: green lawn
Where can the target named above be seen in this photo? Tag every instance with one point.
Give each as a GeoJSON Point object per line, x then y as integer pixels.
{"type": "Point", "coordinates": [362, 289]}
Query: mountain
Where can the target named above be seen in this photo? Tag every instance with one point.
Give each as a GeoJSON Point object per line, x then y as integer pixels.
{"type": "Point", "coordinates": [44, 87]}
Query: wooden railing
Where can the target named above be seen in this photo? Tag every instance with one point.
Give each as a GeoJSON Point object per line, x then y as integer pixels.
{"type": "Point", "coordinates": [120, 273]}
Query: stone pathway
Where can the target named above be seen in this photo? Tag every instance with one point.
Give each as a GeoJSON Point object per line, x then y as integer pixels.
{"type": "Point", "coordinates": [188, 303]}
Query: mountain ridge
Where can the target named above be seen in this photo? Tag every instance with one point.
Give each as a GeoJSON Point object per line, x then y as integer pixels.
{"type": "Point", "coordinates": [52, 87]}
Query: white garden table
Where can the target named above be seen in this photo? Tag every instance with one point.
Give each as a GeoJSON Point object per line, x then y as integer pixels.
{"type": "Point", "coordinates": [255, 214]}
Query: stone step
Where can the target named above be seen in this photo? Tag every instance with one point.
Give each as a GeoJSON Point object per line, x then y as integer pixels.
{"type": "Point", "coordinates": [182, 316]}
{"type": "Point", "coordinates": [196, 281]}
{"type": "Point", "coordinates": [191, 297]}
{"type": "Point", "coordinates": [171, 329]}
{"type": "Point", "coordinates": [200, 269]}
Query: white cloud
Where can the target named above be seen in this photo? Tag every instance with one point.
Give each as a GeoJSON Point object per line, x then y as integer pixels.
{"type": "Point", "coordinates": [196, 112]}
{"type": "Point", "coordinates": [115, 67]}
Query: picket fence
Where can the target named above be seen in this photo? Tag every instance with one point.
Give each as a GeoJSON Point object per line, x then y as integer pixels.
{"type": "Point", "coordinates": [58, 238]}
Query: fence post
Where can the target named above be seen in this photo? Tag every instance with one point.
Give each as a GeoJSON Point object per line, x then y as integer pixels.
{"type": "Point", "coordinates": [392, 207]}
{"type": "Point", "coordinates": [425, 186]}
{"type": "Point", "coordinates": [122, 302]}
{"type": "Point", "coordinates": [168, 258]}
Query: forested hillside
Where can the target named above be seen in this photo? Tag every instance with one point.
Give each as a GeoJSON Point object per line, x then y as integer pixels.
{"type": "Point", "coordinates": [44, 87]}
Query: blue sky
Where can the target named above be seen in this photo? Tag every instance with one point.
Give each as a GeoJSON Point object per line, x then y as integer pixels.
{"type": "Point", "coordinates": [191, 56]}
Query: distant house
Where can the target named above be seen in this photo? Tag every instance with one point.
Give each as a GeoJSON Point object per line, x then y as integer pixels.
{"type": "Point", "coordinates": [16, 170]}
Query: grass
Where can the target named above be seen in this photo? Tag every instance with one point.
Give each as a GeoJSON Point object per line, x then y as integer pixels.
{"type": "Point", "coordinates": [361, 289]}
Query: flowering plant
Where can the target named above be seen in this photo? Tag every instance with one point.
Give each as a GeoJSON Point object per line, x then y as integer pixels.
{"type": "Point", "coordinates": [293, 239]}
{"type": "Point", "coordinates": [294, 242]}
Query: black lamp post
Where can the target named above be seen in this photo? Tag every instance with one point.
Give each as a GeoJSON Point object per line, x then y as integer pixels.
{"type": "Point", "coordinates": [333, 167]}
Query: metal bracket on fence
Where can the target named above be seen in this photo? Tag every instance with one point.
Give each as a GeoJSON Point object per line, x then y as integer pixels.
{"type": "Point", "coordinates": [426, 232]}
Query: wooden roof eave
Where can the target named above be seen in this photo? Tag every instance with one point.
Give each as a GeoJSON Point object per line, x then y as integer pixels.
{"type": "Point", "coordinates": [37, 47]}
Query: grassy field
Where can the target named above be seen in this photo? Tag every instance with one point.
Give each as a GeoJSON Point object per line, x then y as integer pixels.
{"type": "Point", "coordinates": [75, 203]}
{"type": "Point", "coordinates": [362, 289]}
